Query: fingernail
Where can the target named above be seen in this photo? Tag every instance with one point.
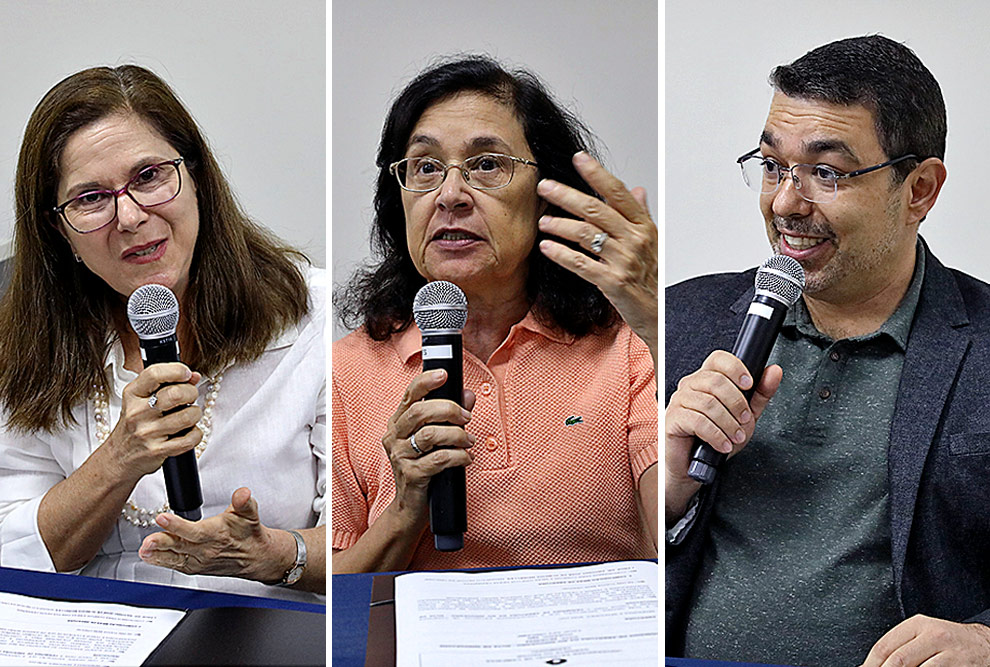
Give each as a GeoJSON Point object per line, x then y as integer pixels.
{"type": "Point", "coordinates": [544, 220]}
{"type": "Point", "coordinates": [466, 414]}
{"type": "Point", "coordinates": [581, 156]}
{"type": "Point", "coordinates": [438, 374]}
{"type": "Point", "coordinates": [744, 417]}
{"type": "Point", "coordinates": [546, 185]}
{"type": "Point", "coordinates": [739, 436]}
{"type": "Point", "coordinates": [472, 438]}
{"type": "Point", "coordinates": [726, 447]}
{"type": "Point", "coordinates": [745, 381]}
{"type": "Point", "coordinates": [162, 520]}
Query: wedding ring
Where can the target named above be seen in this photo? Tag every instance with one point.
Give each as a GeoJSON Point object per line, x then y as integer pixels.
{"type": "Point", "coordinates": [153, 401]}
{"type": "Point", "coordinates": [412, 441]}
{"type": "Point", "coordinates": [598, 242]}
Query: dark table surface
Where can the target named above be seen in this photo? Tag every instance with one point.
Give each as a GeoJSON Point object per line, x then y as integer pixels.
{"type": "Point", "coordinates": [243, 633]}
{"type": "Point", "coordinates": [90, 589]}
{"type": "Point", "coordinates": [350, 595]}
{"type": "Point", "coordinates": [687, 662]}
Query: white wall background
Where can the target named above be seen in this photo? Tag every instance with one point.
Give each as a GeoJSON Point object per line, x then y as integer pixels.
{"type": "Point", "coordinates": [599, 59]}
{"type": "Point", "coordinates": [253, 74]}
{"type": "Point", "coordinates": [718, 57]}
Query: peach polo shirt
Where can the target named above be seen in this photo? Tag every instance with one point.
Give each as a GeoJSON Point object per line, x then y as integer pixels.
{"type": "Point", "coordinates": [565, 426]}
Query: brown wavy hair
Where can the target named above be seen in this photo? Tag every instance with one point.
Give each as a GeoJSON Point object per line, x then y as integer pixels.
{"type": "Point", "coordinates": [58, 320]}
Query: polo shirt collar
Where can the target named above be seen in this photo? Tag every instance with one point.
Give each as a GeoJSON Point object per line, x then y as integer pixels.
{"type": "Point", "coordinates": [897, 326]}
{"type": "Point", "coordinates": [409, 342]}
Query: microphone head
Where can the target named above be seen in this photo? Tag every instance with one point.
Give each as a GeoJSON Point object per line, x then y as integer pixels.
{"type": "Point", "coordinates": [780, 277]}
{"type": "Point", "coordinates": [440, 306]}
{"type": "Point", "coordinates": [153, 311]}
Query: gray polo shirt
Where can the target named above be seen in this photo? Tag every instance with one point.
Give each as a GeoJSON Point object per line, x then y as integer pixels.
{"type": "Point", "coordinates": [798, 567]}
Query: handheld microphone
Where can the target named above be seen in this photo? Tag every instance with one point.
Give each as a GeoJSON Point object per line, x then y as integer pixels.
{"type": "Point", "coordinates": [440, 310]}
{"type": "Point", "coordinates": [779, 283]}
{"type": "Point", "coordinates": [153, 312]}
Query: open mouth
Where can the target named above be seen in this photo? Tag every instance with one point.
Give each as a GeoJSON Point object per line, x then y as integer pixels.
{"type": "Point", "coordinates": [455, 235]}
{"type": "Point", "coordinates": [802, 242]}
{"type": "Point", "coordinates": [146, 251]}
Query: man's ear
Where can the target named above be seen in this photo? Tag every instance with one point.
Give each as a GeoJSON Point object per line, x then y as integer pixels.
{"type": "Point", "coordinates": [923, 185]}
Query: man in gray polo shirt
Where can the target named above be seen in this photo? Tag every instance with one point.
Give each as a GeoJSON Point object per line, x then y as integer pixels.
{"type": "Point", "coordinates": [851, 522]}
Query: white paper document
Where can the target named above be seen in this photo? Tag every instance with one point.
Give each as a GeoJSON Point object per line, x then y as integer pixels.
{"type": "Point", "coordinates": [35, 631]}
{"type": "Point", "coordinates": [600, 615]}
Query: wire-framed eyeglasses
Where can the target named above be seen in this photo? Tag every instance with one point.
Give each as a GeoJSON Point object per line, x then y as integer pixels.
{"type": "Point", "coordinates": [488, 171]}
{"type": "Point", "coordinates": [154, 185]}
{"type": "Point", "coordinates": [817, 183]}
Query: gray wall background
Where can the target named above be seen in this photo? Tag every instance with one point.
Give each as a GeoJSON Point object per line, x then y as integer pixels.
{"type": "Point", "coordinates": [718, 57]}
{"type": "Point", "coordinates": [600, 60]}
{"type": "Point", "coordinates": [253, 74]}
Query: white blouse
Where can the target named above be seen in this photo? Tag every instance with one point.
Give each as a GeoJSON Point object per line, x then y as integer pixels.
{"type": "Point", "coordinates": [268, 434]}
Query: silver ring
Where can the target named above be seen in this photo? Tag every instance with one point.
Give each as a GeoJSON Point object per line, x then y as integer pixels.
{"type": "Point", "coordinates": [412, 441]}
{"type": "Point", "coordinates": [598, 242]}
{"type": "Point", "coordinates": [153, 401]}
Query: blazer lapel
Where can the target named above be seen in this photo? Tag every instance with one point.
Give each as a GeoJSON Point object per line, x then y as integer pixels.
{"type": "Point", "coordinates": [935, 351]}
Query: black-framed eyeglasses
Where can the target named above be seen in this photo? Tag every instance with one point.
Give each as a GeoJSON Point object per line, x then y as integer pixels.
{"type": "Point", "coordinates": [488, 171]}
{"type": "Point", "coordinates": [817, 183]}
{"type": "Point", "coordinates": [152, 186]}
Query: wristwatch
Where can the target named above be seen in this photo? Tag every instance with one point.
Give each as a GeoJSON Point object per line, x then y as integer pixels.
{"type": "Point", "coordinates": [294, 573]}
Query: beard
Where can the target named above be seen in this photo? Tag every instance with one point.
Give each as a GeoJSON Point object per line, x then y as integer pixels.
{"type": "Point", "coordinates": [852, 266]}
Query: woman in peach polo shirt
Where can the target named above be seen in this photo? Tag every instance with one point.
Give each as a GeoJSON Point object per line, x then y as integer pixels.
{"type": "Point", "coordinates": [484, 180]}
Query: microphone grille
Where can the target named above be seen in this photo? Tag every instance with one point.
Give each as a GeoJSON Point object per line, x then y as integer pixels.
{"type": "Point", "coordinates": [782, 278]}
{"type": "Point", "coordinates": [153, 311]}
{"type": "Point", "coordinates": [440, 305]}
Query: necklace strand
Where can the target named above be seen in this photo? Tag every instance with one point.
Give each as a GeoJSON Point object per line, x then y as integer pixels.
{"type": "Point", "coordinates": [131, 512]}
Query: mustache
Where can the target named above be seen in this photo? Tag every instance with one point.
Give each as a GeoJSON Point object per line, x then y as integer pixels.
{"type": "Point", "coordinates": [803, 226]}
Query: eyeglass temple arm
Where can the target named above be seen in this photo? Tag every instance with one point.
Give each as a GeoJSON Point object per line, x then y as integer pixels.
{"type": "Point", "coordinates": [888, 163]}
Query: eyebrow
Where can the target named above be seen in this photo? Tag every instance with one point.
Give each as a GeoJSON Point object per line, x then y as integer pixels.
{"type": "Point", "coordinates": [485, 142]}
{"type": "Point", "coordinates": [816, 146]}
{"type": "Point", "coordinates": [89, 186]}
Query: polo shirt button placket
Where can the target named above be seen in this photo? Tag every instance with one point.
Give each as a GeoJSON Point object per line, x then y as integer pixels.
{"type": "Point", "coordinates": [486, 388]}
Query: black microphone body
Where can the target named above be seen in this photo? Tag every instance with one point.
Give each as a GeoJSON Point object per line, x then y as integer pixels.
{"type": "Point", "coordinates": [440, 310]}
{"type": "Point", "coordinates": [182, 486]}
{"type": "Point", "coordinates": [779, 282]}
{"type": "Point", "coordinates": [753, 345]}
{"type": "Point", "coordinates": [447, 491]}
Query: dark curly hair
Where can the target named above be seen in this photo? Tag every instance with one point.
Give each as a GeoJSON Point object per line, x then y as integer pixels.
{"type": "Point", "coordinates": [380, 295]}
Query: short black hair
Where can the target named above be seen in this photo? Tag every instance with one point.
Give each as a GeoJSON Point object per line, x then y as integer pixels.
{"type": "Point", "coordinates": [380, 295]}
{"type": "Point", "coordinates": [884, 76]}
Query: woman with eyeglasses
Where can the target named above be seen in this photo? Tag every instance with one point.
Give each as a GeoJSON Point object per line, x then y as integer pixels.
{"type": "Point", "coordinates": [116, 188]}
{"type": "Point", "coordinates": [486, 182]}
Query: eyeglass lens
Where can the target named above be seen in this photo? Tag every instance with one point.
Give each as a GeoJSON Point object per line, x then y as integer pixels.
{"type": "Point", "coordinates": [812, 182]}
{"type": "Point", "coordinates": [152, 186]}
{"type": "Point", "coordinates": [480, 171]}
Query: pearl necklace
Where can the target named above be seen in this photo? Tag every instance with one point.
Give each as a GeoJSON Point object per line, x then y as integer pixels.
{"type": "Point", "coordinates": [132, 513]}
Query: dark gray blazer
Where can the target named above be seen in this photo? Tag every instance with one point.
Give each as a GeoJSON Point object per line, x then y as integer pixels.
{"type": "Point", "coordinates": [938, 461]}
